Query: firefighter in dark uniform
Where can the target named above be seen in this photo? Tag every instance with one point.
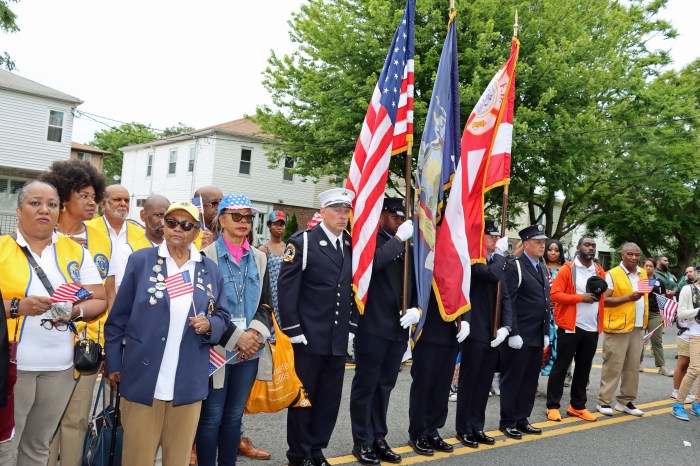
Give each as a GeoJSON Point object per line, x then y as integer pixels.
{"type": "Point", "coordinates": [380, 341]}
{"type": "Point", "coordinates": [317, 312]}
{"type": "Point", "coordinates": [480, 349]}
{"type": "Point", "coordinates": [527, 287]}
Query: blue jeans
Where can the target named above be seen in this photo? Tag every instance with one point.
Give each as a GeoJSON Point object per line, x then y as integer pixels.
{"type": "Point", "coordinates": [222, 414]}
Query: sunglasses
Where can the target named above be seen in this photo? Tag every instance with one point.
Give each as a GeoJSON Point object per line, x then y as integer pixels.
{"type": "Point", "coordinates": [185, 225]}
{"type": "Point", "coordinates": [236, 217]}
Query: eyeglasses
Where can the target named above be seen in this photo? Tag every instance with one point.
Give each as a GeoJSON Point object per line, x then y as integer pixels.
{"type": "Point", "coordinates": [236, 217]}
{"type": "Point", "coordinates": [185, 225]}
{"type": "Point", "coordinates": [60, 325]}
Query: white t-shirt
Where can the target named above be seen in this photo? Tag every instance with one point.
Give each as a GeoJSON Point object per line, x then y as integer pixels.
{"type": "Point", "coordinates": [180, 309]}
{"type": "Point", "coordinates": [638, 304]}
{"type": "Point", "coordinates": [685, 305]}
{"type": "Point", "coordinates": [40, 349]}
{"type": "Point", "coordinates": [586, 313]}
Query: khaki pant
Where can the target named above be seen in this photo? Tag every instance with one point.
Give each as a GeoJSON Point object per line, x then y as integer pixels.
{"type": "Point", "coordinates": [70, 436]}
{"type": "Point", "coordinates": [40, 399]}
{"type": "Point", "coordinates": [145, 427]}
{"type": "Point", "coordinates": [693, 371]}
{"type": "Point", "coordinates": [620, 366]}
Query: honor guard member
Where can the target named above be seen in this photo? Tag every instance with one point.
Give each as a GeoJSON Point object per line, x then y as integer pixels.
{"type": "Point", "coordinates": [527, 290]}
{"type": "Point", "coordinates": [480, 350]}
{"type": "Point", "coordinates": [317, 309]}
{"type": "Point", "coordinates": [380, 341]}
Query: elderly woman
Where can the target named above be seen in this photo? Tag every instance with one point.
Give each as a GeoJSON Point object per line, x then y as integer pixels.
{"type": "Point", "coordinates": [80, 188]}
{"type": "Point", "coordinates": [170, 308]}
{"type": "Point", "coordinates": [45, 351]}
{"type": "Point", "coordinates": [248, 292]}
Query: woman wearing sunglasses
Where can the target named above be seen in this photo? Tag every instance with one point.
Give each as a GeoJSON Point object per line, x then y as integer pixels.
{"type": "Point", "coordinates": [169, 309]}
{"type": "Point", "coordinates": [45, 350]}
{"type": "Point", "coordinates": [247, 288]}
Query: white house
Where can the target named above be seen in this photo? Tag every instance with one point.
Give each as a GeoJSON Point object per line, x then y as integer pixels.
{"type": "Point", "coordinates": [36, 124]}
{"type": "Point", "coordinates": [229, 155]}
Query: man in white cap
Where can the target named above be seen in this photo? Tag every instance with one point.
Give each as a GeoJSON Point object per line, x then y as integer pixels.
{"type": "Point", "coordinates": [317, 312]}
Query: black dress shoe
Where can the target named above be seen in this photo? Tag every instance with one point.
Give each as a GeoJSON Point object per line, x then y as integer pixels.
{"type": "Point", "coordinates": [381, 448]}
{"type": "Point", "coordinates": [439, 444]}
{"type": "Point", "coordinates": [529, 429]}
{"type": "Point", "coordinates": [512, 432]}
{"type": "Point", "coordinates": [304, 462]}
{"type": "Point", "coordinates": [467, 440]}
{"type": "Point", "coordinates": [365, 454]}
{"type": "Point", "coordinates": [422, 447]}
{"type": "Point", "coordinates": [481, 437]}
{"type": "Point", "coordinates": [319, 461]}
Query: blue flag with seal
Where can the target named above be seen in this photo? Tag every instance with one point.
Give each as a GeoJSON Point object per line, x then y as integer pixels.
{"type": "Point", "coordinates": [437, 159]}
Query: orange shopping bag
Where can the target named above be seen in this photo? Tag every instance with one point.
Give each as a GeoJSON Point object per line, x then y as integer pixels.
{"type": "Point", "coordinates": [285, 389]}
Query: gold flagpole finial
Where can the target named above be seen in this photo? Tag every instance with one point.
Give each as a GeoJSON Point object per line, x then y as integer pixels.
{"type": "Point", "coordinates": [515, 25]}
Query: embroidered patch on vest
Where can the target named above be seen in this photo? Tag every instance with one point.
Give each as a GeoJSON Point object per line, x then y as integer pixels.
{"type": "Point", "coordinates": [73, 270]}
{"type": "Point", "coordinates": [102, 264]}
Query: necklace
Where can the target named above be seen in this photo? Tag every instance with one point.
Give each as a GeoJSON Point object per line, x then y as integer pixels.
{"type": "Point", "coordinates": [71, 235]}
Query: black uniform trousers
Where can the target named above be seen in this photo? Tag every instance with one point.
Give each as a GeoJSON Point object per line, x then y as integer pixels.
{"type": "Point", "coordinates": [580, 347]}
{"type": "Point", "coordinates": [432, 371]}
{"type": "Point", "coordinates": [309, 429]}
{"type": "Point", "coordinates": [377, 362]}
{"type": "Point", "coordinates": [477, 366]}
{"type": "Point", "coordinates": [520, 370]}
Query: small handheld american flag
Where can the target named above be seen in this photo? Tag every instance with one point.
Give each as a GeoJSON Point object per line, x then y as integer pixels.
{"type": "Point", "coordinates": [216, 360]}
{"type": "Point", "coordinates": [71, 292]}
{"type": "Point", "coordinates": [668, 309]}
{"type": "Point", "coordinates": [179, 284]}
{"type": "Point", "coordinates": [646, 285]}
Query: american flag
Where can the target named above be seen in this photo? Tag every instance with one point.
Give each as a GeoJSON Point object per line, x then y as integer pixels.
{"type": "Point", "coordinates": [179, 284]}
{"type": "Point", "coordinates": [646, 285]}
{"type": "Point", "coordinates": [72, 292]}
{"type": "Point", "coordinates": [648, 336]}
{"type": "Point", "coordinates": [216, 360]}
{"type": "Point", "coordinates": [386, 130]}
{"type": "Point", "coordinates": [315, 220]}
{"type": "Point", "coordinates": [668, 309]}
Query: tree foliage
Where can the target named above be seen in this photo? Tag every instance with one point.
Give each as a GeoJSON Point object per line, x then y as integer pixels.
{"type": "Point", "coordinates": [290, 228]}
{"type": "Point", "coordinates": [113, 139]}
{"type": "Point", "coordinates": [7, 24]}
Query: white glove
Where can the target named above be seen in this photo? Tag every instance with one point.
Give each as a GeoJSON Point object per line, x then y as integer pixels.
{"type": "Point", "coordinates": [501, 335]}
{"type": "Point", "coordinates": [299, 339]}
{"type": "Point", "coordinates": [502, 244]}
{"type": "Point", "coordinates": [546, 341]}
{"type": "Point", "coordinates": [410, 317]}
{"type": "Point", "coordinates": [463, 332]}
{"type": "Point", "coordinates": [515, 342]}
{"type": "Point", "coordinates": [405, 230]}
{"type": "Point", "coordinates": [351, 347]}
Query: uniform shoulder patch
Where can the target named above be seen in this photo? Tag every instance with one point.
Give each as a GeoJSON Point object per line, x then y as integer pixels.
{"type": "Point", "coordinates": [289, 253]}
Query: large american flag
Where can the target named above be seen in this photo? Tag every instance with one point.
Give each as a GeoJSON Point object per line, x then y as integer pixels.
{"type": "Point", "coordinates": [668, 309]}
{"type": "Point", "coordinates": [386, 130]}
{"type": "Point", "coordinates": [179, 284]}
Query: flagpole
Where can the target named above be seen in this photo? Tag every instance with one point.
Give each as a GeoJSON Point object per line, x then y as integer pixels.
{"type": "Point", "coordinates": [408, 213]}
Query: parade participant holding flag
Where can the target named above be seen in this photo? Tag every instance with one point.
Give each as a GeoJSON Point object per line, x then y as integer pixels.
{"type": "Point", "coordinates": [170, 308]}
{"type": "Point", "coordinates": [247, 289]}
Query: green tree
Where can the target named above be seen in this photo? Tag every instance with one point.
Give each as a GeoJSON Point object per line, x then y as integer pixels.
{"type": "Point", "coordinates": [174, 130]}
{"type": "Point", "coordinates": [121, 136]}
{"type": "Point", "coordinates": [290, 228]}
{"type": "Point", "coordinates": [7, 24]}
{"type": "Point", "coordinates": [582, 66]}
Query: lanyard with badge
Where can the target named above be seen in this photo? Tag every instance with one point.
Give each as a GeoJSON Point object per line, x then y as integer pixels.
{"type": "Point", "coordinates": [239, 320]}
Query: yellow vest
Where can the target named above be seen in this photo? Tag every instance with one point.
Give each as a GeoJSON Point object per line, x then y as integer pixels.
{"type": "Point", "coordinates": [134, 233]}
{"type": "Point", "coordinates": [100, 246]}
{"type": "Point", "coordinates": [141, 243]}
{"type": "Point", "coordinates": [69, 257]}
{"type": "Point", "coordinates": [620, 319]}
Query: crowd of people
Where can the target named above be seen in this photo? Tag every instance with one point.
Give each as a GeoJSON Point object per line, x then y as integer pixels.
{"type": "Point", "coordinates": [162, 294]}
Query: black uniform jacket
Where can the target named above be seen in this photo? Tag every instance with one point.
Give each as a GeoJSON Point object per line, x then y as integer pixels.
{"type": "Point", "coordinates": [529, 301]}
{"type": "Point", "coordinates": [482, 295]}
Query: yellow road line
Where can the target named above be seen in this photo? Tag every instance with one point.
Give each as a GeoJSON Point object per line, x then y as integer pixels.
{"type": "Point", "coordinates": [646, 370]}
{"type": "Point", "coordinates": [503, 441]}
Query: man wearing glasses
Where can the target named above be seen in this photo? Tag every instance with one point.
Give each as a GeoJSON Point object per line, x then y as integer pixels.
{"type": "Point", "coordinates": [209, 197]}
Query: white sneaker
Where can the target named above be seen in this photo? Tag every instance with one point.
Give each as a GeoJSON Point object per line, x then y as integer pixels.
{"type": "Point", "coordinates": [605, 409]}
{"type": "Point", "coordinates": [629, 408]}
{"type": "Point", "coordinates": [674, 394]}
{"type": "Point", "coordinates": [688, 399]}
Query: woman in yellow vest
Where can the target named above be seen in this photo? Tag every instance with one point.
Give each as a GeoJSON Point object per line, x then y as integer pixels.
{"type": "Point", "coordinates": [45, 349]}
{"type": "Point", "coordinates": [80, 188]}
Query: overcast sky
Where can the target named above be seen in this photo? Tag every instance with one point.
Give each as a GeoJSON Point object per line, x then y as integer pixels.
{"type": "Point", "coordinates": [161, 62]}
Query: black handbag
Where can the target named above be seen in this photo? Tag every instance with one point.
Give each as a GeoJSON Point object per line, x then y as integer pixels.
{"type": "Point", "coordinates": [87, 354]}
{"type": "Point", "coordinates": [103, 443]}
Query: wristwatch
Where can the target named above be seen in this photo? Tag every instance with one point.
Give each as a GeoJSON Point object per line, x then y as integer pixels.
{"type": "Point", "coordinates": [14, 308]}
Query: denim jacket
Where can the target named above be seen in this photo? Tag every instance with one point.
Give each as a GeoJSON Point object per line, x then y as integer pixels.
{"type": "Point", "coordinates": [234, 277]}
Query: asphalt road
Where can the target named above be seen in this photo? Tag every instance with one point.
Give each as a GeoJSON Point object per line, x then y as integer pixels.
{"type": "Point", "coordinates": [656, 438]}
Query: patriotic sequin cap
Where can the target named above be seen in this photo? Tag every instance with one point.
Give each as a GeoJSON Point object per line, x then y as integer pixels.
{"type": "Point", "coordinates": [275, 216]}
{"type": "Point", "coordinates": [236, 202]}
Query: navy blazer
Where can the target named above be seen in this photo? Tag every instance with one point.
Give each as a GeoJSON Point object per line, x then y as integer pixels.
{"type": "Point", "coordinates": [318, 301]}
{"type": "Point", "coordinates": [145, 329]}
{"type": "Point", "coordinates": [529, 301]}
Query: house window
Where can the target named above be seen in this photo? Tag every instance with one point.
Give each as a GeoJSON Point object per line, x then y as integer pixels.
{"type": "Point", "coordinates": [16, 185]}
{"type": "Point", "coordinates": [288, 174]}
{"type": "Point", "coordinates": [140, 202]}
{"type": "Point", "coordinates": [172, 163]}
{"type": "Point", "coordinates": [149, 167]}
{"type": "Point", "coordinates": [84, 156]}
{"type": "Point", "coordinates": [55, 126]}
{"type": "Point", "coordinates": [244, 167]}
{"type": "Point", "coordinates": [190, 167]}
